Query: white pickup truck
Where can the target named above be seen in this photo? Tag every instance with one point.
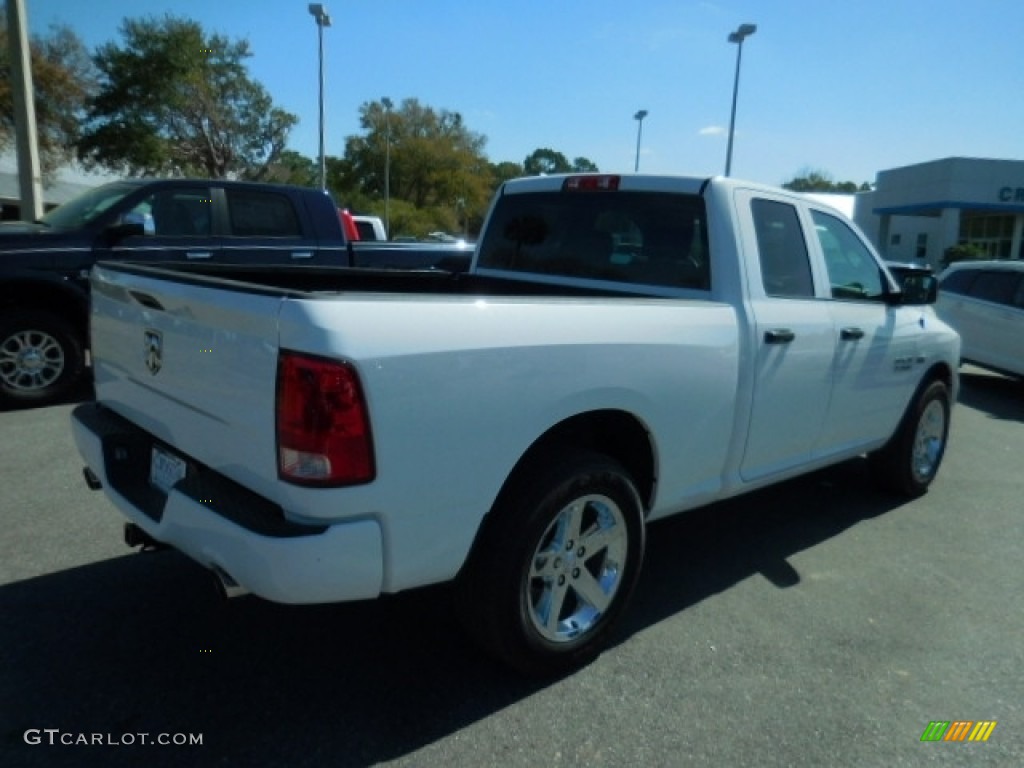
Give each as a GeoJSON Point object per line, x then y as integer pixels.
{"type": "Point", "coordinates": [623, 348]}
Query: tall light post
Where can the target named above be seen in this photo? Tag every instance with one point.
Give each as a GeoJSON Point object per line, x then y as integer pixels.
{"type": "Point", "coordinates": [388, 104]}
{"type": "Point", "coordinates": [30, 187]}
{"type": "Point", "coordinates": [744, 31]}
{"type": "Point", "coordinates": [322, 20]}
{"type": "Point", "coordinates": [639, 117]}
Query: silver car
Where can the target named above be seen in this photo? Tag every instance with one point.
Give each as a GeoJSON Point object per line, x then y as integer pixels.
{"type": "Point", "coordinates": [984, 302]}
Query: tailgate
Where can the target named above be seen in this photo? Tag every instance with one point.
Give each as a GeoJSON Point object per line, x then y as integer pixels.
{"type": "Point", "coordinates": [194, 362]}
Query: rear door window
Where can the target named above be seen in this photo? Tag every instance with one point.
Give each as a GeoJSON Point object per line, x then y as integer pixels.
{"type": "Point", "coordinates": [785, 265]}
{"type": "Point", "coordinates": [261, 214]}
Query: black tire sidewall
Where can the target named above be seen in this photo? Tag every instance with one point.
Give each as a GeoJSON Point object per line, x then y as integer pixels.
{"type": "Point", "coordinates": [71, 346]}
{"type": "Point", "coordinates": [525, 511]}
{"type": "Point", "coordinates": [896, 461]}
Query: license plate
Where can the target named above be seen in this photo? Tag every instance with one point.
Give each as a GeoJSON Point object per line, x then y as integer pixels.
{"type": "Point", "coordinates": [165, 469]}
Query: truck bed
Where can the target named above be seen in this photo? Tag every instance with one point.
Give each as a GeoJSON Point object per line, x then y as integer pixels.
{"type": "Point", "coordinates": [288, 279]}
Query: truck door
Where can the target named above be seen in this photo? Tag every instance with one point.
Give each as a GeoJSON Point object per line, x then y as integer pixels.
{"type": "Point", "coordinates": [793, 340]}
{"type": "Point", "coordinates": [266, 227]}
{"type": "Point", "coordinates": [178, 227]}
{"type": "Point", "coordinates": [876, 364]}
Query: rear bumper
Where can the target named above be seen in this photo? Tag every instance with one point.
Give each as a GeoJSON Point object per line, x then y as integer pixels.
{"type": "Point", "coordinates": [222, 525]}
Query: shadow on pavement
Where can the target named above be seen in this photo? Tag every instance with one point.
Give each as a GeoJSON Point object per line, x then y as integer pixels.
{"type": "Point", "coordinates": [1001, 397]}
{"type": "Point", "coordinates": [79, 394]}
{"type": "Point", "coordinates": [141, 644]}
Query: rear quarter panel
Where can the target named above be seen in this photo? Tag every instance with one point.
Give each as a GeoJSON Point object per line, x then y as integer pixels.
{"type": "Point", "coordinates": [458, 390]}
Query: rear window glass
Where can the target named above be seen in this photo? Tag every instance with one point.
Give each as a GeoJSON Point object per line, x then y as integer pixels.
{"type": "Point", "coordinates": [645, 238]}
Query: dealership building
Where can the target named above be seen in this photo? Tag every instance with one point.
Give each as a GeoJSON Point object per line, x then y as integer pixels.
{"type": "Point", "coordinates": [916, 212]}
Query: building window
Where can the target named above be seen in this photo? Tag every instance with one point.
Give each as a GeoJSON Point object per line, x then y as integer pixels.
{"type": "Point", "coordinates": [895, 239]}
{"type": "Point", "coordinates": [922, 246]}
{"type": "Point", "coordinates": [992, 233]}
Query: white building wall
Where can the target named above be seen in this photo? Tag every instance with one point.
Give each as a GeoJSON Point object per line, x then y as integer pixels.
{"type": "Point", "coordinates": [928, 200]}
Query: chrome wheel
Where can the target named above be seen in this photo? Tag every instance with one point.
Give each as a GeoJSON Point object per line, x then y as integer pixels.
{"type": "Point", "coordinates": [30, 360]}
{"type": "Point", "coordinates": [929, 441]}
{"type": "Point", "coordinates": [577, 568]}
{"type": "Point", "coordinates": [910, 460]}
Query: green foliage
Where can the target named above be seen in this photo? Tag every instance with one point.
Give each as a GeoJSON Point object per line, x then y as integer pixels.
{"type": "Point", "coordinates": [63, 79]}
{"type": "Point", "coordinates": [175, 100]}
{"type": "Point", "coordinates": [964, 252]}
{"type": "Point", "coordinates": [436, 164]}
{"type": "Point", "coordinates": [290, 167]}
{"type": "Point", "coordinates": [548, 161]}
{"type": "Point", "coordinates": [815, 180]}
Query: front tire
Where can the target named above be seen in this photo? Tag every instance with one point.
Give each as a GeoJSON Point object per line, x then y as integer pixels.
{"type": "Point", "coordinates": [41, 358]}
{"type": "Point", "coordinates": [909, 462]}
{"type": "Point", "coordinates": [556, 565]}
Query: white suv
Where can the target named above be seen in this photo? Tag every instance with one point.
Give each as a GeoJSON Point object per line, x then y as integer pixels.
{"type": "Point", "coordinates": [984, 302]}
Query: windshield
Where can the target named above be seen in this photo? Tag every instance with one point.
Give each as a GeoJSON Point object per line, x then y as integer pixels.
{"type": "Point", "coordinates": [86, 207]}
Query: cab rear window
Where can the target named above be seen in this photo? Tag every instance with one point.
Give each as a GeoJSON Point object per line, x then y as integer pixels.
{"type": "Point", "coordinates": [642, 238]}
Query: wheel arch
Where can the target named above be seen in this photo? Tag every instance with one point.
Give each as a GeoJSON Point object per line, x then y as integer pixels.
{"type": "Point", "coordinates": [24, 294]}
{"type": "Point", "coordinates": [617, 434]}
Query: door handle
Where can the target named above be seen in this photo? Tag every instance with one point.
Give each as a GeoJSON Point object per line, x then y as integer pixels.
{"type": "Point", "coordinates": [851, 334]}
{"type": "Point", "coordinates": [779, 336]}
{"type": "Point", "coordinates": [302, 254]}
{"type": "Point", "coordinates": [198, 254]}
{"type": "Point", "coordinates": [146, 300]}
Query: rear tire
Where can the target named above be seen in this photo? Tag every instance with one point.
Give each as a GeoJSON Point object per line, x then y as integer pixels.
{"type": "Point", "coordinates": [41, 358]}
{"type": "Point", "coordinates": [909, 462]}
{"type": "Point", "coordinates": [556, 564]}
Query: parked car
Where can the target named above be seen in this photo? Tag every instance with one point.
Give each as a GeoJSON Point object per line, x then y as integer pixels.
{"type": "Point", "coordinates": [44, 265]}
{"type": "Point", "coordinates": [370, 228]}
{"type": "Point", "coordinates": [984, 301]}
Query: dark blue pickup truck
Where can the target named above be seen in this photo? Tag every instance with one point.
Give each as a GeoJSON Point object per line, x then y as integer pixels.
{"type": "Point", "coordinates": [44, 266]}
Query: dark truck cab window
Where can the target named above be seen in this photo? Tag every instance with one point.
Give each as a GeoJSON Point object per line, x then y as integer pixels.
{"type": "Point", "coordinates": [642, 238]}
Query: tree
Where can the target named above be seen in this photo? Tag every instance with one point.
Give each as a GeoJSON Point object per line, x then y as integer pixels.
{"type": "Point", "coordinates": [816, 180]}
{"type": "Point", "coordinates": [175, 100]}
{"type": "Point", "coordinates": [548, 161]}
{"type": "Point", "coordinates": [504, 171]}
{"type": "Point", "coordinates": [436, 163]}
{"type": "Point", "coordinates": [583, 165]}
{"type": "Point", "coordinates": [291, 167]}
{"type": "Point", "coordinates": [63, 78]}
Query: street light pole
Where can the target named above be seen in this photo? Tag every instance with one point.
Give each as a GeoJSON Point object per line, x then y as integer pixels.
{"type": "Point", "coordinates": [744, 31]}
{"type": "Point", "coordinates": [639, 117]}
{"type": "Point", "coordinates": [30, 187]}
{"type": "Point", "coordinates": [388, 104]}
{"type": "Point", "coordinates": [322, 20]}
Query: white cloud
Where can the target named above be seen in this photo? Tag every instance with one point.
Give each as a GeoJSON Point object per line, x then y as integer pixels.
{"type": "Point", "coordinates": [712, 130]}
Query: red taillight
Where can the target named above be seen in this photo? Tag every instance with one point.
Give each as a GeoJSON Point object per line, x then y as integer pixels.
{"type": "Point", "coordinates": [595, 183]}
{"type": "Point", "coordinates": [348, 224]}
{"type": "Point", "coordinates": [323, 429]}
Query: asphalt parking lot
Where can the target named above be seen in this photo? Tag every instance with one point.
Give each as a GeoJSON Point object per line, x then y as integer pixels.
{"type": "Point", "coordinates": [818, 623]}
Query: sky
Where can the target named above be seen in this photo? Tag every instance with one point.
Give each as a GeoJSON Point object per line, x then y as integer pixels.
{"type": "Point", "coordinates": [845, 87]}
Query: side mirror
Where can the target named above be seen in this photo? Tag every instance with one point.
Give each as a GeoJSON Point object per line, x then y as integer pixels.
{"type": "Point", "coordinates": [917, 284]}
{"type": "Point", "coordinates": [132, 224]}
{"type": "Point", "coordinates": [918, 289]}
